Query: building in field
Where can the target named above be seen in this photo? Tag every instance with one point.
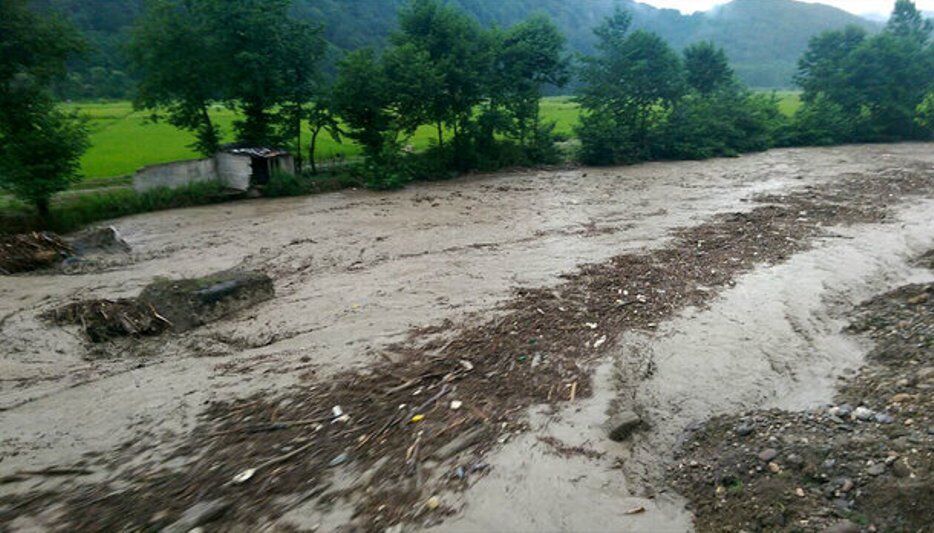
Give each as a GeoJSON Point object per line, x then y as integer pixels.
{"type": "Point", "coordinates": [237, 168]}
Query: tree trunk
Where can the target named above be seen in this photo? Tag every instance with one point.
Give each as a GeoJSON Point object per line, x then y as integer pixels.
{"type": "Point", "coordinates": [42, 207]}
{"type": "Point", "coordinates": [311, 150]}
{"type": "Point", "coordinates": [440, 135]}
{"type": "Point", "coordinates": [298, 142]}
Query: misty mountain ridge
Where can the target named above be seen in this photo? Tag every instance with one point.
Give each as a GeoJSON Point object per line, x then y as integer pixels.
{"type": "Point", "coordinates": [763, 38]}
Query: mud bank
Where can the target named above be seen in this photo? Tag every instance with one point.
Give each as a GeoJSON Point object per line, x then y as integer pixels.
{"type": "Point", "coordinates": [453, 263]}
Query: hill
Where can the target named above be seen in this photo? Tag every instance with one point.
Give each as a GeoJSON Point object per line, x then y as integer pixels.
{"type": "Point", "coordinates": [764, 38]}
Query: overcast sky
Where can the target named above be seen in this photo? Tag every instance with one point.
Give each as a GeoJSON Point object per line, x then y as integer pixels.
{"type": "Point", "coordinates": [854, 6]}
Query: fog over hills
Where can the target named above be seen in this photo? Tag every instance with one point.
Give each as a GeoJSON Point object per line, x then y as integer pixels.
{"type": "Point", "coordinates": [763, 38]}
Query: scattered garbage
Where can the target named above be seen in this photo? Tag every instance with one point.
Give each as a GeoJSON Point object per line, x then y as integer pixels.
{"type": "Point", "coordinates": [433, 503]}
{"type": "Point", "coordinates": [456, 404]}
{"type": "Point", "coordinates": [244, 476]}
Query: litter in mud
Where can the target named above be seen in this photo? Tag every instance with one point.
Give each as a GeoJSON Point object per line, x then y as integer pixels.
{"type": "Point", "coordinates": [400, 433]}
{"type": "Point", "coordinates": [31, 251]}
{"type": "Point", "coordinates": [177, 305]}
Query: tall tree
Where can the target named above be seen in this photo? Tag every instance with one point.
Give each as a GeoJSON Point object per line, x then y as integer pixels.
{"type": "Point", "coordinates": [633, 77]}
{"type": "Point", "coordinates": [458, 53]}
{"type": "Point", "coordinates": [821, 69]}
{"type": "Point", "coordinates": [907, 21]}
{"type": "Point", "coordinates": [248, 54]}
{"type": "Point", "coordinates": [529, 56]}
{"type": "Point", "coordinates": [180, 68]}
{"type": "Point", "coordinates": [707, 67]}
{"type": "Point", "coordinates": [40, 146]}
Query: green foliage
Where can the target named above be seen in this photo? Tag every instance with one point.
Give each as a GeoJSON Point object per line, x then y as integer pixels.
{"type": "Point", "coordinates": [925, 112]}
{"type": "Point", "coordinates": [725, 123]}
{"type": "Point", "coordinates": [707, 67]}
{"type": "Point", "coordinates": [249, 55]}
{"type": "Point", "coordinates": [40, 146]}
{"type": "Point", "coordinates": [822, 122]}
{"type": "Point", "coordinates": [859, 88]}
{"type": "Point", "coordinates": [634, 80]}
{"type": "Point", "coordinates": [80, 209]}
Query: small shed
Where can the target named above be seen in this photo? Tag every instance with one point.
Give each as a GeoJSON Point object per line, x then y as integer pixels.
{"type": "Point", "coordinates": [235, 167]}
{"type": "Point", "coordinates": [253, 166]}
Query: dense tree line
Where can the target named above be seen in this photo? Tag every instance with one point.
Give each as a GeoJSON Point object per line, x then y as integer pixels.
{"type": "Point", "coordinates": [763, 38]}
{"type": "Point", "coordinates": [861, 88]}
{"type": "Point", "coordinates": [642, 101]}
{"type": "Point", "coordinates": [478, 88]}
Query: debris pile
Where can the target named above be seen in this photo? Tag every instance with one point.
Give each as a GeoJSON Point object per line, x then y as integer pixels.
{"type": "Point", "coordinates": [419, 422]}
{"type": "Point", "coordinates": [31, 251]}
{"type": "Point", "coordinates": [177, 305]}
{"type": "Point", "coordinates": [103, 320]}
{"type": "Point", "coordinates": [864, 463]}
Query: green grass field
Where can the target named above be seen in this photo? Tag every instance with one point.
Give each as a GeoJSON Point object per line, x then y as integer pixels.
{"type": "Point", "coordinates": [124, 140]}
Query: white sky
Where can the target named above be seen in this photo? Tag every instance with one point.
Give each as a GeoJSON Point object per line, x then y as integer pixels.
{"type": "Point", "coordinates": [854, 6]}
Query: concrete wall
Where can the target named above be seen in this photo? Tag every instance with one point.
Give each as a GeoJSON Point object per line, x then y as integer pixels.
{"type": "Point", "coordinates": [174, 175]}
{"type": "Point", "coordinates": [234, 171]}
{"type": "Point", "coordinates": [231, 170]}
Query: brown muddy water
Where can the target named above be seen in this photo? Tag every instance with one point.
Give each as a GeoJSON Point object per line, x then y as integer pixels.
{"type": "Point", "coordinates": [355, 271]}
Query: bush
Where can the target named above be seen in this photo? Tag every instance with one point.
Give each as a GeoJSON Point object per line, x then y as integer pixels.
{"type": "Point", "coordinates": [285, 184]}
{"type": "Point", "coordinates": [822, 122]}
{"type": "Point", "coordinates": [605, 141]}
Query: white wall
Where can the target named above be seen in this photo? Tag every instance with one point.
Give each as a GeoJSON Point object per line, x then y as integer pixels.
{"type": "Point", "coordinates": [174, 175]}
{"type": "Point", "coordinates": [234, 171]}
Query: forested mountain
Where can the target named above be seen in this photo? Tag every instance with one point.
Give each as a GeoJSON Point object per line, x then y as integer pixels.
{"type": "Point", "coordinates": [763, 38]}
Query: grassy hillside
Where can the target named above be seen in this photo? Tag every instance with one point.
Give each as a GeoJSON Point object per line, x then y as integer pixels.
{"type": "Point", "coordinates": [124, 140]}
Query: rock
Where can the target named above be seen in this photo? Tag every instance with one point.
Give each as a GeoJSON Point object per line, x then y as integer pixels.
{"type": "Point", "coordinates": [846, 486]}
{"type": "Point", "coordinates": [864, 414]}
{"type": "Point", "coordinates": [743, 430]}
{"type": "Point", "coordinates": [902, 397]}
{"type": "Point", "coordinates": [197, 515]}
{"type": "Point", "coordinates": [774, 468]}
{"type": "Point", "coordinates": [876, 470]}
{"type": "Point", "coordinates": [900, 469]}
{"type": "Point", "coordinates": [768, 454]}
{"type": "Point", "coordinates": [884, 418]}
{"type": "Point", "coordinates": [799, 492]}
{"type": "Point", "coordinates": [189, 303]}
{"type": "Point", "coordinates": [843, 526]}
{"type": "Point", "coordinates": [842, 410]}
{"type": "Point", "coordinates": [99, 240]}
{"type": "Point", "coordinates": [622, 425]}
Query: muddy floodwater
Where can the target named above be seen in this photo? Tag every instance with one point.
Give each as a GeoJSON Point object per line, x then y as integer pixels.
{"type": "Point", "coordinates": [356, 272]}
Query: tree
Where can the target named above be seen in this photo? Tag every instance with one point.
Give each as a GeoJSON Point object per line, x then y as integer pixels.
{"type": "Point", "coordinates": [40, 146]}
{"type": "Point", "coordinates": [248, 54]}
{"type": "Point", "coordinates": [361, 100]}
{"type": "Point", "coordinates": [633, 78]}
{"type": "Point", "coordinates": [707, 67]}
{"type": "Point", "coordinates": [180, 69]}
{"type": "Point", "coordinates": [302, 49]}
{"type": "Point", "coordinates": [40, 155]}
{"type": "Point", "coordinates": [821, 69]}
{"type": "Point", "coordinates": [321, 118]}
{"type": "Point", "coordinates": [907, 21]}
{"type": "Point", "coordinates": [457, 52]}
{"type": "Point", "coordinates": [529, 56]}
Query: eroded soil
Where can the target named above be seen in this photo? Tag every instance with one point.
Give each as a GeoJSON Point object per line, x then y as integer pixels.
{"type": "Point", "coordinates": [398, 309]}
